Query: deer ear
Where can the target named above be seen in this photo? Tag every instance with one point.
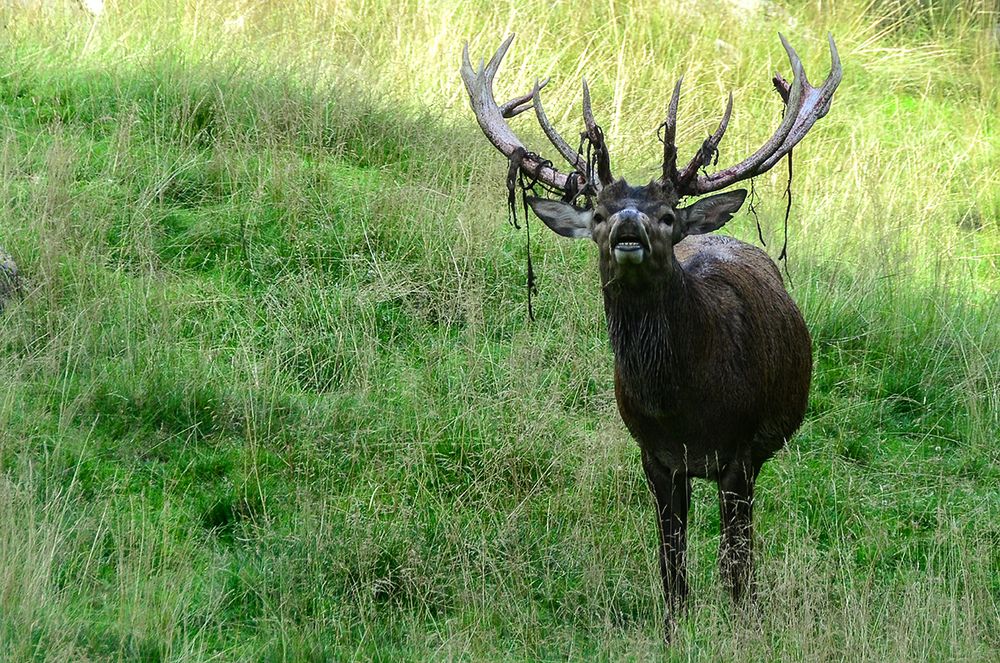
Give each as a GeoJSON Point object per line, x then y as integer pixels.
{"type": "Point", "coordinates": [562, 218]}
{"type": "Point", "coordinates": [710, 213]}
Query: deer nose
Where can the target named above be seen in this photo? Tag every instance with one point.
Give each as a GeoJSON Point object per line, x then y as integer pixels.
{"type": "Point", "coordinates": [629, 215]}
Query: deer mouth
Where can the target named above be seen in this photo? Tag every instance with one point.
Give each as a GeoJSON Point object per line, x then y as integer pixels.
{"type": "Point", "coordinates": [629, 250]}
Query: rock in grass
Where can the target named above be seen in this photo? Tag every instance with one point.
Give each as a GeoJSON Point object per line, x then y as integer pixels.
{"type": "Point", "coordinates": [10, 282]}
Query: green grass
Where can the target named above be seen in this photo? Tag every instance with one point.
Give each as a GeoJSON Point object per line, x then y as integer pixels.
{"type": "Point", "coordinates": [271, 392]}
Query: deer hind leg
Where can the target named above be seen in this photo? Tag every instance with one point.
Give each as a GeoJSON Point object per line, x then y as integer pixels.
{"type": "Point", "coordinates": [736, 482]}
{"type": "Point", "coordinates": [672, 493]}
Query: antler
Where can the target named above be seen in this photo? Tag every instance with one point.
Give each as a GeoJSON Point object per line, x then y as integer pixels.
{"type": "Point", "coordinates": [574, 158]}
{"type": "Point", "coordinates": [596, 138]}
{"type": "Point", "coordinates": [479, 84]}
{"type": "Point", "coordinates": [804, 104]}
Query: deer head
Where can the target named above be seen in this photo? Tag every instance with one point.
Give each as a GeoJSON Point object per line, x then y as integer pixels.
{"type": "Point", "coordinates": [637, 227]}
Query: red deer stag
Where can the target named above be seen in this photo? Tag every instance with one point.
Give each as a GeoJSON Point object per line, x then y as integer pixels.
{"type": "Point", "coordinates": [712, 357]}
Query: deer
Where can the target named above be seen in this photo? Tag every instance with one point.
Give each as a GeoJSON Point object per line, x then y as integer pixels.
{"type": "Point", "coordinates": [712, 358]}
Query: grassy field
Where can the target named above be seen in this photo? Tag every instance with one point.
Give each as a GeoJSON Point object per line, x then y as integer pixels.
{"type": "Point", "coordinates": [271, 393]}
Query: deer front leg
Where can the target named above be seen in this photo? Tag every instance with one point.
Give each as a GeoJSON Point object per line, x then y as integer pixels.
{"type": "Point", "coordinates": [736, 483]}
{"type": "Point", "coordinates": [672, 494]}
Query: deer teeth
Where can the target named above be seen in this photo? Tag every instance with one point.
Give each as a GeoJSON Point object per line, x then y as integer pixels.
{"type": "Point", "coordinates": [629, 252]}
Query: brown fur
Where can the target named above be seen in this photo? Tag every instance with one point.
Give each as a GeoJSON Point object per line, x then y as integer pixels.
{"type": "Point", "coordinates": [712, 362]}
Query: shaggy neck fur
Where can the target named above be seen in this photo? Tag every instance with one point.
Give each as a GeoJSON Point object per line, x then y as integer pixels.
{"type": "Point", "coordinates": [651, 327]}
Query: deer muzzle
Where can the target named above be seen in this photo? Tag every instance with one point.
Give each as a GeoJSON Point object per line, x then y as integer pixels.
{"type": "Point", "coordinates": [629, 239]}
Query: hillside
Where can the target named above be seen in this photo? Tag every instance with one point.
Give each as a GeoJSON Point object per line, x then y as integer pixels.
{"type": "Point", "coordinates": [271, 391]}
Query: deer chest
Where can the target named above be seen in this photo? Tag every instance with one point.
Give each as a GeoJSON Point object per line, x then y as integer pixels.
{"type": "Point", "coordinates": [684, 435]}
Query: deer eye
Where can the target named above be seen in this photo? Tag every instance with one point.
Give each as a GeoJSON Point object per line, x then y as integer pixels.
{"type": "Point", "coordinates": [667, 218]}
{"type": "Point", "coordinates": [598, 218]}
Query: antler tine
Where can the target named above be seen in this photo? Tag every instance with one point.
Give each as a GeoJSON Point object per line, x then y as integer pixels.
{"type": "Point", "coordinates": [479, 85]}
{"type": "Point", "coordinates": [596, 136]}
{"type": "Point", "coordinates": [588, 113]}
{"type": "Point", "coordinates": [574, 158]}
{"type": "Point", "coordinates": [518, 105]}
{"type": "Point", "coordinates": [804, 105]}
{"type": "Point", "coordinates": [491, 69]}
{"type": "Point", "coordinates": [707, 149]}
{"type": "Point", "coordinates": [836, 71]}
{"type": "Point", "coordinates": [669, 134]}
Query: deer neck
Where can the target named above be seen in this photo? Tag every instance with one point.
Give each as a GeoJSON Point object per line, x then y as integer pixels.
{"type": "Point", "coordinates": [653, 330]}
